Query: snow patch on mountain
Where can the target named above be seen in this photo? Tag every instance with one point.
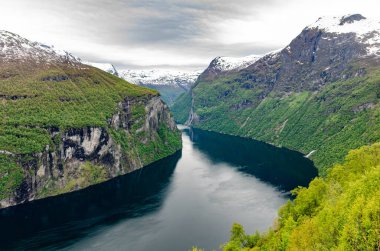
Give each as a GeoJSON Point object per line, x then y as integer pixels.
{"type": "Point", "coordinates": [347, 24]}
{"type": "Point", "coordinates": [107, 67]}
{"type": "Point", "coordinates": [16, 48]}
{"type": "Point", "coordinates": [366, 30]}
{"type": "Point", "coordinates": [234, 63]}
{"type": "Point", "coordinates": [167, 77]}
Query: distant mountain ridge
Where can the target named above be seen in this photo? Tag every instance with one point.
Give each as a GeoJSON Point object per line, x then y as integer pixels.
{"type": "Point", "coordinates": [170, 83]}
{"type": "Point", "coordinates": [178, 78]}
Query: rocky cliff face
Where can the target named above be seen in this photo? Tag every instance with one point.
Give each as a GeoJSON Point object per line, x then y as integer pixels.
{"type": "Point", "coordinates": [329, 50]}
{"type": "Point", "coordinates": [66, 126]}
{"type": "Point", "coordinates": [323, 52]}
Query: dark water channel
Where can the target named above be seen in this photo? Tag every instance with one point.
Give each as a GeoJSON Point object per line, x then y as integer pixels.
{"type": "Point", "coordinates": [190, 198]}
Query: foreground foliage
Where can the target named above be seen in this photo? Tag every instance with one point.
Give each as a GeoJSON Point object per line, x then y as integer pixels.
{"type": "Point", "coordinates": [339, 212]}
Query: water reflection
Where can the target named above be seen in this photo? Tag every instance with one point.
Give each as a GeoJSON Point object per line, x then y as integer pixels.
{"type": "Point", "coordinates": [129, 196]}
{"type": "Point", "coordinates": [281, 167]}
{"type": "Point", "coordinates": [190, 198]}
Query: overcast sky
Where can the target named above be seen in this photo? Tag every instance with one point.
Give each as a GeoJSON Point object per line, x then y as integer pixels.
{"type": "Point", "coordinates": [171, 33]}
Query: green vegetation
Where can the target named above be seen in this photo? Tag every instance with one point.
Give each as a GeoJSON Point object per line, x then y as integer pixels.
{"type": "Point", "coordinates": [87, 97]}
{"type": "Point", "coordinates": [341, 116]}
{"type": "Point", "coordinates": [22, 139]}
{"type": "Point", "coordinates": [339, 212]}
{"type": "Point", "coordinates": [196, 249]}
{"type": "Point", "coordinates": [11, 176]}
{"type": "Point", "coordinates": [36, 99]}
{"type": "Point", "coordinates": [88, 174]}
{"type": "Point", "coordinates": [137, 146]}
{"type": "Point", "coordinates": [30, 104]}
{"type": "Point", "coordinates": [182, 107]}
{"type": "Point", "coordinates": [168, 93]}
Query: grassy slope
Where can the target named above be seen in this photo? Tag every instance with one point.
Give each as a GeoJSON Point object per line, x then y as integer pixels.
{"type": "Point", "coordinates": [324, 121]}
{"type": "Point", "coordinates": [339, 212]}
{"type": "Point", "coordinates": [29, 105]}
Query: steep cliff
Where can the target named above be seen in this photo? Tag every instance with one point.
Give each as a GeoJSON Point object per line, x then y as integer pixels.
{"type": "Point", "coordinates": [66, 126]}
{"type": "Point", "coordinates": [320, 94]}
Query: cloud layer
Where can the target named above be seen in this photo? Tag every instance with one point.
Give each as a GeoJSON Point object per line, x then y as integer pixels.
{"type": "Point", "coordinates": [147, 33]}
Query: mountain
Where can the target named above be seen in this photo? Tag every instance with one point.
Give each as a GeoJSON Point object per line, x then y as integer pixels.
{"type": "Point", "coordinates": [227, 65]}
{"type": "Point", "coordinates": [319, 95]}
{"type": "Point", "coordinates": [107, 67]}
{"type": "Point", "coordinates": [170, 83]}
{"type": "Point", "coordinates": [14, 48]}
{"type": "Point", "coordinates": [65, 125]}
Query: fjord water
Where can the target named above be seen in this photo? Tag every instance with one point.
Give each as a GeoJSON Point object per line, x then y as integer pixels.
{"type": "Point", "coordinates": [191, 198]}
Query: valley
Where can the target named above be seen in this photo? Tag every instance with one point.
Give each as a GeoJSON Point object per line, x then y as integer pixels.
{"type": "Point", "coordinates": [182, 126]}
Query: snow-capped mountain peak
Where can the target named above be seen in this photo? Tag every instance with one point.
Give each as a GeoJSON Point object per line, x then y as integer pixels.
{"type": "Point", "coordinates": [367, 31]}
{"type": "Point", "coordinates": [15, 48]}
{"type": "Point", "coordinates": [233, 63]}
{"type": "Point", "coordinates": [170, 83]}
{"type": "Point", "coordinates": [347, 24]}
{"type": "Point", "coordinates": [182, 79]}
{"type": "Point", "coordinates": [107, 67]}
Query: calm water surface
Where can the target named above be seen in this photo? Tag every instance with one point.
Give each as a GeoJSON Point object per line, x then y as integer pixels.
{"type": "Point", "coordinates": [191, 198]}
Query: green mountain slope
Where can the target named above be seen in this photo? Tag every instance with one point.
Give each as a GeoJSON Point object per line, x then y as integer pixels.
{"type": "Point", "coordinates": [340, 116]}
{"type": "Point", "coordinates": [319, 95]}
{"type": "Point", "coordinates": [66, 126]}
{"type": "Point", "coordinates": [182, 107]}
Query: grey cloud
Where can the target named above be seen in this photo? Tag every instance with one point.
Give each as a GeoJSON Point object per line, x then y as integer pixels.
{"type": "Point", "coordinates": [173, 25]}
{"type": "Point", "coordinates": [147, 21]}
{"type": "Point", "coordinates": [170, 21]}
{"type": "Point", "coordinates": [206, 51]}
